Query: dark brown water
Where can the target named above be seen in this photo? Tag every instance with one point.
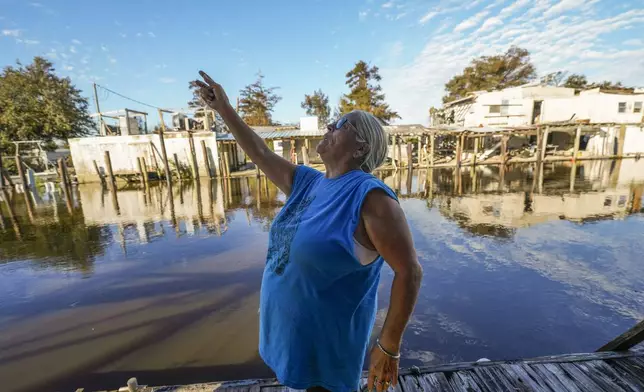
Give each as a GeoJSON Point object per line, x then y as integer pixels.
{"type": "Point", "coordinates": [166, 287]}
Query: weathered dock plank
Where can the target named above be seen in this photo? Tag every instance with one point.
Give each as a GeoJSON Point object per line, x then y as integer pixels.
{"type": "Point", "coordinates": [600, 371]}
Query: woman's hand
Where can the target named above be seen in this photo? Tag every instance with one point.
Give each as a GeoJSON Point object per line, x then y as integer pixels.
{"type": "Point", "coordinates": [212, 93]}
{"type": "Point", "coordinates": [383, 370]}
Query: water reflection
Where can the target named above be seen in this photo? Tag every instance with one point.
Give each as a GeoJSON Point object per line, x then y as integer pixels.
{"type": "Point", "coordinates": [96, 287]}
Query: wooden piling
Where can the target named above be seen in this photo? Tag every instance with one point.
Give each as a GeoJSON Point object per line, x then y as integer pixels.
{"type": "Point", "coordinates": [7, 178]}
{"type": "Point", "coordinates": [409, 156]}
{"type": "Point", "coordinates": [431, 150]}
{"type": "Point", "coordinates": [193, 155]}
{"type": "Point", "coordinates": [305, 155]}
{"type": "Point", "coordinates": [206, 158]}
{"type": "Point", "coordinates": [544, 143]}
{"type": "Point", "coordinates": [399, 148]}
{"type": "Point", "coordinates": [154, 158]}
{"type": "Point", "coordinates": [477, 141]}
{"type": "Point", "coordinates": [458, 151]}
{"type": "Point", "coordinates": [110, 172]}
{"type": "Point", "coordinates": [226, 165]}
{"type": "Point", "coordinates": [21, 172]}
{"type": "Point", "coordinates": [538, 156]}
{"type": "Point", "coordinates": [419, 149]}
{"type": "Point", "coordinates": [12, 214]}
{"type": "Point", "coordinates": [575, 150]}
{"type": "Point", "coordinates": [621, 137]}
{"type": "Point", "coordinates": [141, 172]}
{"type": "Point", "coordinates": [64, 180]}
{"type": "Point", "coordinates": [2, 184]}
{"type": "Point", "coordinates": [177, 166]}
{"type": "Point", "coordinates": [98, 173]}
{"type": "Point", "coordinates": [573, 175]}
{"type": "Point", "coordinates": [164, 153]}
{"type": "Point", "coordinates": [504, 149]}
{"type": "Point", "coordinates": [258, 173]}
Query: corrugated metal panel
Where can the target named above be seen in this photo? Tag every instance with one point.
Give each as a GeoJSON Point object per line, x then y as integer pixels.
{"type": "Point", "coordinates": [282, 134]}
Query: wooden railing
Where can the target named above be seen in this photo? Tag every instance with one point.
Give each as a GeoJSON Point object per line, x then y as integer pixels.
{"type": "Point", "coordinates": [627, 340]}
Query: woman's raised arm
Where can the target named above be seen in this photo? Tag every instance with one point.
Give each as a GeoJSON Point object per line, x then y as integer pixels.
{"type": "Point", "coordinates": [277, 169]}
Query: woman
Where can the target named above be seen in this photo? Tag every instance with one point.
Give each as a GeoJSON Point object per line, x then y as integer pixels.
{"type": "Point", "coordinates": [326, 249]}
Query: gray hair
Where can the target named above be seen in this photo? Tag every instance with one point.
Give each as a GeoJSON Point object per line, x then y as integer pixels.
{"type": "Point", "coordinates": [371, 132]}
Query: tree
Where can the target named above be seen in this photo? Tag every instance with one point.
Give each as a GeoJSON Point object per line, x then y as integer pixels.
{"type": "Point", "coordinates": [579, 81]}
{"type": "Point", "coordinates": [35, 104]}
{"type": "Point", "coordinates": [200, 110]}
{"type": "Point", "coordinates": [366, 94]}
{"type": "Point", "coordinates": [513, 68]}
{"type": "Point", "coordinates": [554, 78]}
{"type": "Point", "coordinates": [576, 81]}
{"type": "Point", "coordinates": [317, 104]}
{"type": "Point", "coordinates": [256, 102]}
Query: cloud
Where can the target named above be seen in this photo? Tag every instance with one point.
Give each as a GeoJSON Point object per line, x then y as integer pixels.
{"type": "Point", "coordinates": [400, 15]}
{"type": "Point", "coordinates": [36, 5]}
{"type": "Point", "coordinates": [427, 17]}
{"type": "Point", "coordinates": [362, 15]}
{"type": "Point", "coordinates": [76, 42]}
{"type": "Point", "coordinates": [471, 22]}
{"type": "Point", "coordinates": [396, 49]}
{"type": "Point", "coordinates": [634, 42]}
{"type": "Point", "coordinates": [167, 80]}
{"type": "Point", "coordinates": [565, 5]}
{"type": "Point", "coordinates": [27, 41]}
{"type": "Point", "coordinates": [490, 23]}
{"type": "Point", "coordinates": [585, 45]}
{"type": "Point", "coordinates": [139, 35]}
{"type": "Point", "coordinates": [104, 48]}
{"type": "Point", "coordinates": [85, 60]}
{"type": "Point", "coordinates": [112, 60]}
{"type": "Point", "coordinates": [123, 35]}
{"type": "Point", "coordinates": [68, 68]}
{"type": "Point", "coordinates": [11, 33]}
{"type": "Point", "coordinates": [151, 34]}
{"type": "Point", "coordinates": [72, 49]}
{"type": "Point", "coordinates": [161, 66]}
{"type": "Point", "coordinates": [388, 4]}
{"type": "Point", "coordinates": [509, 10]}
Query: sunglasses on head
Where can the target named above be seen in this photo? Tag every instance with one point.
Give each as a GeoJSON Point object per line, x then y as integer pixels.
{"type": "Point", "coordinates": [339, 124]}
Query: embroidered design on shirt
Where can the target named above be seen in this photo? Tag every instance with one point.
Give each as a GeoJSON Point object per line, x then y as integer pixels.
{"type": "Point", "coordinates": [282, 233]}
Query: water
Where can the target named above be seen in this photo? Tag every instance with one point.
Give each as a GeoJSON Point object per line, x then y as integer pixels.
{"type": "Point", "coordinates": [95, 290]}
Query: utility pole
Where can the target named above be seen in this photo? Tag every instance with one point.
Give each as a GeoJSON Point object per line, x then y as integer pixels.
{"type": "Point", "coordinates": [98, 110]}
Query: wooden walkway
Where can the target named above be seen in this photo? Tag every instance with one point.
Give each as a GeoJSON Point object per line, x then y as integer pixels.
{"type": "Point", "coordinates": [600, 371]}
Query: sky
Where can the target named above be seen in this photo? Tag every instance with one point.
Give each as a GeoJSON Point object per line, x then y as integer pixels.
{"type": "Point", "coordinates": [150, 50]}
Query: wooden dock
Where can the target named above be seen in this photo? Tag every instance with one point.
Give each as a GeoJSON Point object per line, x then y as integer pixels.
{"type": "Point", "coordinates": [599, 371]}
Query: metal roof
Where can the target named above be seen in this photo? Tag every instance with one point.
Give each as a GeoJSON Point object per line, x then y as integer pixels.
{"type": "Point", "coordinates": [276, 134]}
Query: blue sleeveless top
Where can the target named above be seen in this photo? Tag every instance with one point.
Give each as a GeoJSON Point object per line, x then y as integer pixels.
{"type": "Point", "coordinates": [318, 303]}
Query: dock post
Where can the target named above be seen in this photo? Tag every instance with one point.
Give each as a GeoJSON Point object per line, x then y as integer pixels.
{"type": "Point", "coordinates": [110, 172]}
{"type": "Point", "coordinates": [545, 143]}
{"type": "Point", "coordinates": [537, 157]}
{"type": "Point", "coordinates": [399, 148]}
{"type": "Point", "coordinates": [99, 174]}
{"type": "Point", "coordinates": [193, 155]}
{"type": "Point", "coordinates": [206, 159]}
{"type": "Point", "coordinates": [476, 150]}
{"type": "Point", "coordinates": [431, 150]}
{"type": "Point", "coordinates": [575, 150]}
{"type": "Point", "coordinates": [458, 151]}
{"type": "Point", "coordinates": [21, 172]}
{"type": "Point", "coordinates": [305, 155]}
{"type": "Point", "coordinates": [504, 149]}
{"type": "Point", "coordinates": [226, 165]}
{"type": "Point", "coordinates": [620, 141]}
{"type": "Point", "coordinates": [141, 172]}
{"type": "Point", "coordinates": [63, 173]}
{"type": "Point", "coordinates": [2, 185]}
{"type": "Point", "coordinates": [164, 153]}
{"type": "Point", "coordinates": [573, 174]}
{"type": "Point", "coordinates": [258, 173]}
{"type": "Point", "coordinates": [176, 164]}
{"type": "Point", "coordinates": [419, 149]}
{"type": "Point", "coordinates": [409, 154]}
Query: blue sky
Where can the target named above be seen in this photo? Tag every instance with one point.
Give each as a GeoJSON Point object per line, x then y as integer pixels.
{"type": "Point", "coordinates": [149, 50]}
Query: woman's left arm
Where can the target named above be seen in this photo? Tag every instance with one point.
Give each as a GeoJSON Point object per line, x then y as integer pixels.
{"type": "Point", "coordinates": [388, 231]}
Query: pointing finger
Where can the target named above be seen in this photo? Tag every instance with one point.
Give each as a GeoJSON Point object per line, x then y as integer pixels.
{"type": "Point", "coordinates": [207, 78]}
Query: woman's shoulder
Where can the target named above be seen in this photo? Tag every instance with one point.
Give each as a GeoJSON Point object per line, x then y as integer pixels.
{"type": "Point", "coordinates": [305, 176]}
